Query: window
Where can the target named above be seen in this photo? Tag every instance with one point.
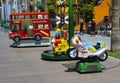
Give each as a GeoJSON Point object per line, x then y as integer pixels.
{"type": "Point", "coordinates": [33, 16]}
{"type": "Point", "coordinates": [21, 17]}
{"type": "Point", "coordinates": [27, 17]}
{"type": "Point", "coordinates": [14, 17]}
{"type": "Point", "coordinates": [40, 17]}
{"type": "Point", "coordinates": [35, 27]}
{"type": "Point", "coordinates": [40, 26]}
{"type": "Point", "coordinates": [46, 26]}
{"type": "Point", "coordinates": [15, 28]}
{"type": "Point", "coordinates": [46, 16]}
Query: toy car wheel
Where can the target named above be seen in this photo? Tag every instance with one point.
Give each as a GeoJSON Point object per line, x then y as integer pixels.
{"type": "Point", "coordinates": [72, 53]}
{"type": "Point", "coordinates": [37, 37]}
{"type": "Point", "coordinates": [103, 56]}
{"type": "Point", "coordinates": [16, 39]}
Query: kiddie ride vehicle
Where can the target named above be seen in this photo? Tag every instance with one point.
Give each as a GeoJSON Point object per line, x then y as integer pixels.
{"type": "Point", "coordinates": [88, 55]}
{"type": "Point", "coordinates": [30, 28]}
{"type": "Point", "coordinates": [62, 50]}
{"type": "Point", "coordinates": [87, 50]}
{"type": "Point", "coordinates": [37, 40]}
{"type": "Point", "coordinates": [59, 47]}
{"type": "Point", "coordinates": [59, 43]}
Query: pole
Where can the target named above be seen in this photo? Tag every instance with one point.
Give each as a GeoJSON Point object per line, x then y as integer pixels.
{"type": "Point", "coordinates": [70, 28]}
{"type": "Point", "coordinates": [45, 6]}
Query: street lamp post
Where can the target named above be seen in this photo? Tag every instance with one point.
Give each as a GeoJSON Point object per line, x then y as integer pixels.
{"type": "Point", "coordinates": [71, 28]}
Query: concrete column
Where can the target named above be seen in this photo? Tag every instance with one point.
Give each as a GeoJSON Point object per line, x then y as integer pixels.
{"type": "Point", "coordinates": [115, 38]}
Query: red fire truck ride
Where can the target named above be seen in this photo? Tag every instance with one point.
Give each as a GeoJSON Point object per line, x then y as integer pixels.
{"type": "Point", "coordinates": [27, 25]}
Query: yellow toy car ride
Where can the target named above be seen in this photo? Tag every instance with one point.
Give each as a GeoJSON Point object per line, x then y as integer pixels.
{"type": "Point", "coordinates": [61, 48]}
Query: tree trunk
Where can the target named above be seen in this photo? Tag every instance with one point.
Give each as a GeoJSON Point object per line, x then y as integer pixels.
{"type": "Point", "coordinates": [19, 5]}
{"type": "Point", "coordinates": [115, 38]}
{"type": "Point", "coordinates": [45, 6]}
{"type": "Point", "coordinates": [27, 3]}
{"type": "Point", "coordinates": [4, 11]}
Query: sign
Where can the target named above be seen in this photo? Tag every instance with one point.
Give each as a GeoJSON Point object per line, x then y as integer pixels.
{"type": "Point", "coordinates": [66, 22]}
{"type": "Point", "coordinates": [58, 20]}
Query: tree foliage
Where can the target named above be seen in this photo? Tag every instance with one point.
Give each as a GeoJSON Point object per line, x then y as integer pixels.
{"type": "Point", "coordinates": [51, 4]}
{"type": "Point", "coordinates": [87, 9]}
{"type": "Point", "coordinates": [39, 6]}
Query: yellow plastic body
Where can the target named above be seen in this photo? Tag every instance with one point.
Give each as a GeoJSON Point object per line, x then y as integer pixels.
{"type": "Point", "coordinates": [62, 47]}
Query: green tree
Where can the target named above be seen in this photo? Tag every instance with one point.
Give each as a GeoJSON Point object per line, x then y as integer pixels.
{"type": "Point", "coordinates": [86, 9]}
{"type": "Point", "coordinates": [50, 6]}
{"type": "Point", "coordinates": [31, 5]}
{"type": "Point", "coordinates": [39, 6]}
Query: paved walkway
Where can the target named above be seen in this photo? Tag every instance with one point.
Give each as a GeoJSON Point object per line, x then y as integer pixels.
{"type": "Point", "coordinates": [24, 65]}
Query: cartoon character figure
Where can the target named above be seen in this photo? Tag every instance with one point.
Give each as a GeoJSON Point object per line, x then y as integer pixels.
{"type": "Point", "coordinates": [57, 39]}
{"type": "Point", "coordinates": [59, 43]}
{"type": "Point", "coordinates": [77, 43]}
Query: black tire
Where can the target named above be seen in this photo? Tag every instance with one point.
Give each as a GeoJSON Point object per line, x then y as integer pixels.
{"type": "Point", "coordinates": [16, 39]}
{"type": "Point", "coordinates": [72, 53]}
{"type": "Point", "coordinates": [103, 56]}
{"type": "Point", "coordinates": [38, 37]}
